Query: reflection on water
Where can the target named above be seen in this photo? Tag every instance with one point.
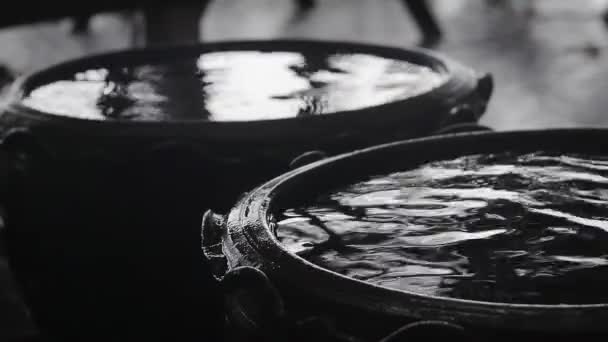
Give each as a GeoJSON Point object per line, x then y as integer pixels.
{"type": "Point", "coordinates": [508, 228]}
{"type": "Point", "coordinates": [235, 86]}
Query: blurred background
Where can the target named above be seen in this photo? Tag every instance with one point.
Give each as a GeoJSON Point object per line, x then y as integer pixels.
{"type": "Point", "coordinates": [548, 57]}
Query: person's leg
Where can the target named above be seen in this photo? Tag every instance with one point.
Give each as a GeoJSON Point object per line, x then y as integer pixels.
{"type": "Point", "coordinates": [305, 5]}
{"type": "Point", "coordinates": [174, 24]}
{"type": "Point", "coordinates": [425, 20]}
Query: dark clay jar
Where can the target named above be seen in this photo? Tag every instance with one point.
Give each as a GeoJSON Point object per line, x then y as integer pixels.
{"type": "Point", "coordinates": [248, 256]}
{"type": "Point", "coordinates": [109, 189]}
{"type": "Point", "coordinates": [234, 105]}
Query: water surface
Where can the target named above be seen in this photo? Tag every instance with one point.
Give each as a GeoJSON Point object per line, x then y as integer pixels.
{"type": "Point", "coordinates": [529, 228]}
{"type": "Point", "coordinates": [235, 86]}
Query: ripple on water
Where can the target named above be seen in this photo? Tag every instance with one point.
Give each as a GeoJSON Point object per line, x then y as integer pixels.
{"type": "Point", "coordinates": [529, 228]}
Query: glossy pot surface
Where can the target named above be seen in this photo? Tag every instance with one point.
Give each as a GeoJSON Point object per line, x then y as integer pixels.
{"type": "Point", "coordinates": [245, 238]}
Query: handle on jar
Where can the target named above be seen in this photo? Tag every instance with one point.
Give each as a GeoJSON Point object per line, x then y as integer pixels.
{"type": "Point", "coordinates": [485, 86]}
{"type": "Point", "coordinates": [212, 231]}
{"type": "Point", "coordinates": [253, 307]}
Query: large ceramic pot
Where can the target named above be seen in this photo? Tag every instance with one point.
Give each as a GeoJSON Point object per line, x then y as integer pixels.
{"type": "Point", "coordinates": [250, 262]}
{"type": "Point", "coordinates": [105, 213]}
{"type": "Point", "coordinates": [269, 144]}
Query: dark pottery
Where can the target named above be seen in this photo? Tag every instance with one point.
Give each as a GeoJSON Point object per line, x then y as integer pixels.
{"type": "Point", "coordinates": [244, 239]}
{"type": "Point", "coordinates": [104, 228]}
{"type": "Point", "coordinates": [230, 146]}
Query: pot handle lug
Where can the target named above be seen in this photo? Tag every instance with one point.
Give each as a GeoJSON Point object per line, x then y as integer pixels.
{"type": "Point", "coordinates": [254, 308]}
{"type": "Point", "coordinates": [212, 232]}
{"type": "Point", "coordinates": [212, 228]}
{"type": "Point", "coordinates": [474, 108]}
{"type": "Point", "coordinates": [425, 329]}
{"type": "Point", "coordinates": [307, 158]}
{"type": "Point", "coordinates": [12, 162]}
{"type": "Point", "coordinates": [485, 86]}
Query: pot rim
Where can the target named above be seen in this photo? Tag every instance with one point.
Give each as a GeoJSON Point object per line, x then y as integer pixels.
{"type": "Point", "coordinates": [254, 213]}
{"type": "Point", "coordinates": [459, 82]}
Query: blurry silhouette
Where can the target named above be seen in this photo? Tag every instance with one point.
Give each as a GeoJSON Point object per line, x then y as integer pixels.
{"type": "Point", "coordinates": [181, 82]}
{"type": "Point", "coordinates": [180, 23]}
{"type": "Point", "coordinates": [425, 20]}
{"type": "Point", "coordinates": [305, 5]}
{"type": "Point", "coordinates": [420, 10]}
{"type": "Point", "coordinates": [173, 23]}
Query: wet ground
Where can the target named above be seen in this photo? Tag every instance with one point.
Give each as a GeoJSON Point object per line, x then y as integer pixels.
{"type": "Point", "coordinates": [549, 58]}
